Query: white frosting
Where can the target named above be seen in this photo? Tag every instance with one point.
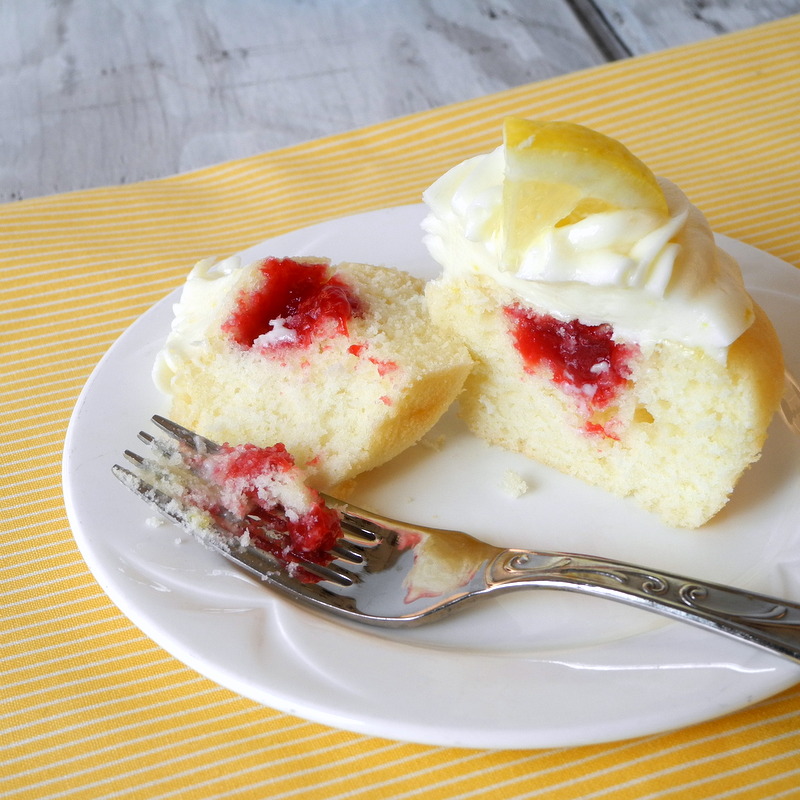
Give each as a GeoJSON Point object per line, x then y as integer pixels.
{"type": "Point", "coordinates": [277, 334]}
{"type": "Point", "coordinates": [206, 286]}
{"type": "Point", "coordinates": [653, 278]}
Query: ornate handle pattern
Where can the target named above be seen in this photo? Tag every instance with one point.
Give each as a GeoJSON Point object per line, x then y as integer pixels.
{"type": "Point", "coordinates": [760, 619]}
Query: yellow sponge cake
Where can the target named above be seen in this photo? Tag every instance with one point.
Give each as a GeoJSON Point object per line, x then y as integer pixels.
{"type": "Point", "coordinates": [613, 339]}
{"type": "Point", "coordinates": [341, 364]}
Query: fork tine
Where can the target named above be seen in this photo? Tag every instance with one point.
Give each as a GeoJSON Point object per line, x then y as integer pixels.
{"type": "Point", "coordinates": [188, 517]}
{"type": "Point", "coordinates": [147, 438]}
{"type": "Point", "coordinates": [191, 439]}
{"type": "Point", "coordinates": [349, 552]}
{"type": "Point", "coordinates": [199, 524]}
{"type": "Point", "coordinates": [162, 447]}
{"type": "Point", "coordinates": [134, 458]}
{"type": "Point", "coordinates": [185, 516]}
{"type": "Point", "coordinates": [362, 530]}
{"type": "Point", "coordinates": [332, 572]}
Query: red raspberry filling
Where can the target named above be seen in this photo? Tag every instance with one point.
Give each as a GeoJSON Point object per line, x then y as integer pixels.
{"type": "Point", "coordinates": [584, 360]}
{"type": "Point", "coordinates": [310, 303]}
{"type": "Point", "coordinates": [288, 536]}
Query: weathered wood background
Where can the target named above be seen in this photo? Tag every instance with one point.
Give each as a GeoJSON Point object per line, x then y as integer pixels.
{"type": "Point", "coordinates": [98, 92]}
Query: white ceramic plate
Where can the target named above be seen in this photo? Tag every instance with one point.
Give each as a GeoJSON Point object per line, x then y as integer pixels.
{"type": "Point", "coordinates": [529, 670]}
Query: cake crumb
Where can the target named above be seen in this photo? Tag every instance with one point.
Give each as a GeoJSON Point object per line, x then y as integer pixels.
{"type": "Point", "coordinates": [513, 484]}
{"type": "Point", "coordinates": [155, 522]}
{"type": "Point", "coordinates": [435, 443]}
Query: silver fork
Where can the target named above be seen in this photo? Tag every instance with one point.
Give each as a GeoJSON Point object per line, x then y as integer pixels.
{"type": "Point", "coordinates": [389, 573]}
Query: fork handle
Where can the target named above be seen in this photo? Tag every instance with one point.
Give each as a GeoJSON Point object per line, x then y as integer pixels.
{"type": "Point", "coordinates": [759, 619]}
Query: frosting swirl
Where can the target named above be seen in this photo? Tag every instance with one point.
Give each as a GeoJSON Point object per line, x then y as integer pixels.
{"type": "Point", "coordinates": [652, 277]}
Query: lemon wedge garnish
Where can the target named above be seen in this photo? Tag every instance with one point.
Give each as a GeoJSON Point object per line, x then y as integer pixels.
{"type": "Point", "coordinates": [557, 173]}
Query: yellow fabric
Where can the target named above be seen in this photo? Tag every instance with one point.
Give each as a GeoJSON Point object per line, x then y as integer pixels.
{"type": "Point", "coordinates": [91, 707]}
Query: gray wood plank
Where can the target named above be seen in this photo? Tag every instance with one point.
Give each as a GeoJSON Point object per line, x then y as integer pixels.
{"type": "Point", "coordinates": [106, 93]}
{"type": "Point", "coordinates": [645, 26]}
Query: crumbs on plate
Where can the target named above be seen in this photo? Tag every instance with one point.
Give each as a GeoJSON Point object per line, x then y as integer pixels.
{"type": "Point", "coordinates": [513, 484]}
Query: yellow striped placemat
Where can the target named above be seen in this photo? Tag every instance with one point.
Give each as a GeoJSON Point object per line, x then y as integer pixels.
{"type": "Point", "coordinates": [92, 708]}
